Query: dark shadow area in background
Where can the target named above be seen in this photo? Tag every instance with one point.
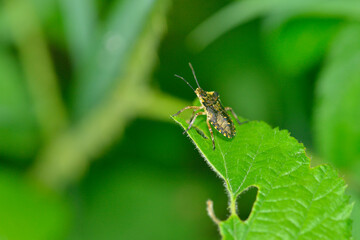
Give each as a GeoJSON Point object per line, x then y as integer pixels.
{"type": "Point", "coordinates": [245, 202]}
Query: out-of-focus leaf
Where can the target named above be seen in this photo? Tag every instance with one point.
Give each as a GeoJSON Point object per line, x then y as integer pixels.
{"type": "Point", "coordinates": [337, 111]}
{"type": "Point", "coordinates": [294, 201]}
{"type": "Point", "coordinates": [29, 212]}
{"type": "Point", "coordinates": [240, 12]}
{"type": "Point", "coordinates": [17, 121]}
{"type": "Point", "coordinates": [108, 62]}
{"type": "Point", "coordinates": [81, 28]}
{"type": "Point", "coordinates": [300, 43]}
{"type": "Point", "coordinates": [294, 48]}
{"type": "Point", "coordinates": [228, 18]}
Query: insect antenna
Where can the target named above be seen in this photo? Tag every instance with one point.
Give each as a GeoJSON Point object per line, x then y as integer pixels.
{"type": "Point", "coordinates": [192, 69]}
{"type": "Point", "coordinates": [185, 81]}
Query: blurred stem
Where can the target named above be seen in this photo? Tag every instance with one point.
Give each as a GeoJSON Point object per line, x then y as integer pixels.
{"type": "Point", "coordinates": [68, 156]}
{"type": "Point", "coordinates": [159, 106]}
{"type": "Point", "coordinates": [39, 70]}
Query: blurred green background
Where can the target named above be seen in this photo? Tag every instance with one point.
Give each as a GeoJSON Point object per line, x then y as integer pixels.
{"type": "Point", "coordinates": [87, 87]}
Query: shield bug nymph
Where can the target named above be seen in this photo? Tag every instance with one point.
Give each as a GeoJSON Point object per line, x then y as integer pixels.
{"type": "Point", "coordinates": [216, 114]}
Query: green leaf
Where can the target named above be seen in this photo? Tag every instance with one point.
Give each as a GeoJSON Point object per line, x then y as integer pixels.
{"type": "Point", "coordinates": [294, 201]}
{"type": "Point", "coordinates": [337, 111]}
{"type": "Point", "coordinates": [108, 62]}
{"type": "Point", "coordinates": [305, 38]}
{"type": "Point", "coordinates": [227, 18]}
{"type": "Point", "coordinates": [80, 25]}
{"type": "Point", "coordinates": [240, 12]}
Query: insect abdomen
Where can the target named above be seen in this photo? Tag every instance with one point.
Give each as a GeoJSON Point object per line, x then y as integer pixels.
{"type": "Point", "coordinates": [222, 123]}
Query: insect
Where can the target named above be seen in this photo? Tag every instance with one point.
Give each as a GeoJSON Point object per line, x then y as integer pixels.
{"type": "Point", "coordinates": [216, 114]}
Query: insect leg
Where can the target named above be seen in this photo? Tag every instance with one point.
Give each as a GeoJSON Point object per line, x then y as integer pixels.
{"type": "Point", "coordinates": [235, 116]}
{"type": "Point", "coordinates": [193, 120]}
{"type": "Point", "coordinates": [192, 115]}
{"type": "Point", "coordinates": [196, 128]}
{"type": "Point", "coordinates": [185, 108]}
{"type": "Point", "coordinates": [211, 132]}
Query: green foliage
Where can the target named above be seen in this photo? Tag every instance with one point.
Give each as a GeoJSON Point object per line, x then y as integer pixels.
{"type": "Point", "coordinates": [112, 51]}
{"type": "Point", "coordinates": [80, 20]}
{"type": "Point", "coordinates": [337, 111]}
{"type": "Point", "coordinates": [297, 44]}
{"type": "Point", "coordinates": [75, 76]}
{"type": "Point", "coordinates": [294, 201]}
{"type": "Point", "coordinates": [107, 92]}
{"type": "Point", "coordinates": [240, 12]}
{"type": "Point", "coordinates": [111, 65]}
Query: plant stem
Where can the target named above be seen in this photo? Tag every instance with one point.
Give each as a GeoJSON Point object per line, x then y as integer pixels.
{"type": "Point", "coordinates": [39, 70]}
{"type": "Point", "coordinates": [232, 205]}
